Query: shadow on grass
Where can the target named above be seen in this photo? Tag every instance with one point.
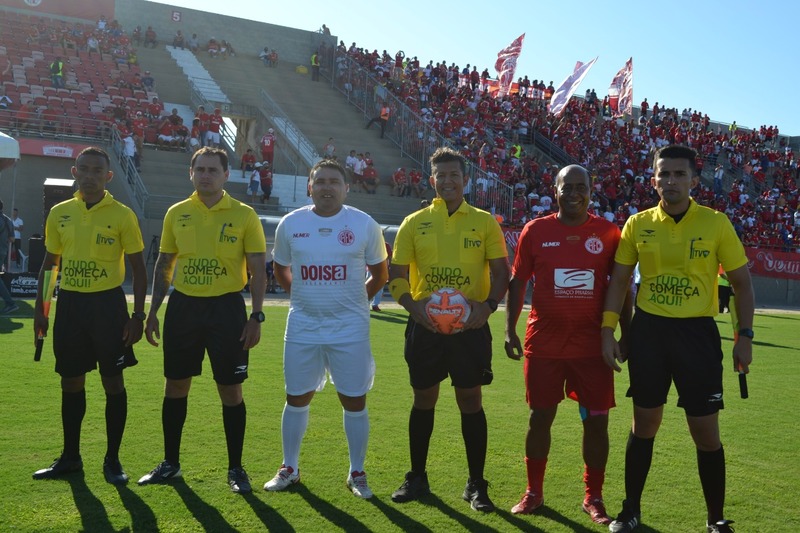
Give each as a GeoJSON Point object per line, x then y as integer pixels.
{"type": "Point", "coordinates": [330, 512]}
{"type": "Point", "coordinates": [541, 514]}
{"type": "Point", "coordinates": [470, 524]}
{"type": "Point", "coordinates": [93, 513]}
{"type": "Point", "coordinates": [271, 519]}
{"type": "Point", "coordinates": [762, 344]}
{"type": "Point", "coordinates": [398, 518]}
{"type": "Point", "coordinates": [785, 317]}
{"type": "Point", "coordinates": [389, 316]}
{"type": "Point", "coordinates": [142, 517]}
{"type": "Point", "coordinates": [206, 515]}
{"type": "Point", "coordinates": [8, 325]}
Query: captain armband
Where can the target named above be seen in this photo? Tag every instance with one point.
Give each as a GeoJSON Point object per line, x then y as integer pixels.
{"type": "Point", "coordinates": [398, 287]}
{"type": "Point", "coordinates": [610, 320]}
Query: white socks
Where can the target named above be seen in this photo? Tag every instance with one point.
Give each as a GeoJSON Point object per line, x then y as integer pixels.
{"type": "Point", "coordinates": [356, 427]}
{"type": "Point", "coordinates": [293, 427]}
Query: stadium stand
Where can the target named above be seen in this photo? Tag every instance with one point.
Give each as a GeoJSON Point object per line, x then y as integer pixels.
{"type": "Point", "coordinates": [492, 132]}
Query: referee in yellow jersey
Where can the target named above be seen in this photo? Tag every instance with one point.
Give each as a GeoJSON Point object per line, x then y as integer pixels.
{"type": "Point", "coordinates": [679, 246]}
{"type": "Point", "coordinates": [89, 237]}
{"type": "Point", "coordinates": [208, 244]}
{"type": "Point", "coordinates": [449, 244]}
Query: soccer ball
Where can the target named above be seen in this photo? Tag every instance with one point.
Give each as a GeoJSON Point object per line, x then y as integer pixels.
{"type": "Point", "coordinates": [448, 309]}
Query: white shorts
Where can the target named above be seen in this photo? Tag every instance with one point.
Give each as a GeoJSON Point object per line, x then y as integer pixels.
{"type": "Point", "coordinates": [306, 367]}
{"type": "Point", "coordinates": [194, 142]}
{"type": "Point", "coordinates": [167, 138]}
{"type": "Point", "coordinates": [212, 136]}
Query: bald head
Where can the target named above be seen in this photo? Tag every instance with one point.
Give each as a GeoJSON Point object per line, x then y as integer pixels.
{"type": "Point", "coordinates": [573, 189]}
{"type": "Point", "coordinates": [573, 171]}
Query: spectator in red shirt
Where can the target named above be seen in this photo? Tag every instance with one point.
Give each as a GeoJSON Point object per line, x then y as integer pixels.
{"type": "Point", "coordinates": [214, 126]}
{"type": "Point", "coordinates": [248, 161]}
{"type": "Point", "coordinates": [370, 179]}
{"type": "Point", "coordinates": [155, 109]}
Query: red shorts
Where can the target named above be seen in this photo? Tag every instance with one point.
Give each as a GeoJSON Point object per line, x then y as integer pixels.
{"type": "Point", "coordinates": [588, 381]}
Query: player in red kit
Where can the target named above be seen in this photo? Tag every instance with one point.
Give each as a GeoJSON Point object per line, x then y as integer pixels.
{"type": "Point", "coordinates": [570, 254]}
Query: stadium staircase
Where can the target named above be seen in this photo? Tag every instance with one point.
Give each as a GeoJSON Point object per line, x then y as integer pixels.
{"type": "Point", "coordinates": [319, 112]}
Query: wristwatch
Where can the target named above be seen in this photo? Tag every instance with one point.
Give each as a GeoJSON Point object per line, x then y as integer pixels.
{"type": "Point", "coordinates": [492, 304]}
{"type": "Point", "coordinates": [139, 315]}
{"type": "Point", "coordinates": [258, 316]}
{"type": "Point", "coordinates": [746, 332]}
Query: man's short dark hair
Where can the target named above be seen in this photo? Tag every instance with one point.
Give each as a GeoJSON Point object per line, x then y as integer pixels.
{"type": "Point", "coordinates": [208, 150]}
{"type": "Point", "coordinates": [94, 150]}
{"type": "Point", "coordinates": [677, 151]}
{"type": "Point", "coordinates": [328, 163]}
{"type": "Point", "coordinates": [446, 155]}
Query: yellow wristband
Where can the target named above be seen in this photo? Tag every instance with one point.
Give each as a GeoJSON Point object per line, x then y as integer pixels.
{"type": "Point", "coordinates": [610, 320]}
{"type": "Point", "coordinates": [398, 287]}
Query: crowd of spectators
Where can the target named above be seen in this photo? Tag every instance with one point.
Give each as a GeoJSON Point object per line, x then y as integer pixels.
{"type": "Point", "coordinates": [103, 87]}
{"type": "Point", "coordinates": [757, 187]}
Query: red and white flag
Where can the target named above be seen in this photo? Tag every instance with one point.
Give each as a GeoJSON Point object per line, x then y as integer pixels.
{"type": "Point", "coordinates": [568, 87]}
{"type": "Point", "coordinates": [506, 65]}
{"type": "Point", "coordinates": [620, 93]}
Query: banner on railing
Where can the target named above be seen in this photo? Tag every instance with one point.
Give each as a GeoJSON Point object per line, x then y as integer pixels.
{"type": "Point", "coordinates": [50, 148]}
{"type": "Point", "coordinates": [512, 236]}
{"type": "Point", "coordinates": [82, 9]}
{"type": "Point", "coordinates": [773, 263]}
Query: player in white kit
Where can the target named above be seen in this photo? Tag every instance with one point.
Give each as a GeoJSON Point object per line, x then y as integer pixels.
{"type": "Point", "coordinates": [320, 254]}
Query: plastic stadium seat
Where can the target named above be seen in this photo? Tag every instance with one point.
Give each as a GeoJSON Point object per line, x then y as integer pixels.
{"type": "Point", "coordinates": [150, 135]}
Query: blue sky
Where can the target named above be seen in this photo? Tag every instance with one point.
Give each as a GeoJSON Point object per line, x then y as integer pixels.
{"type": "Point", "coordinates": [735, 60]}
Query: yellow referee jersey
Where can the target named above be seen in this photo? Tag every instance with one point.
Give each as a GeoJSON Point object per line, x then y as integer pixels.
{"type": "Point", "coordinates": [449, 251]}
{"type": "Point", "coordinates": [92, 242]}
{"type": "Point", "coordinates": [211, 244]}
{"type": "Point", "coordinates": [679, 262]}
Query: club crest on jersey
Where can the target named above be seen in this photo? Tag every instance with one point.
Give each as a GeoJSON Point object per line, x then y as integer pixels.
{"type": "Point", "coordinates": [593, 245]}
{"type": "Point", "coordinates": [346, 237]}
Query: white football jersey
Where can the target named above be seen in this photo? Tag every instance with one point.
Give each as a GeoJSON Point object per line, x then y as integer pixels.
{"type": "Point", "coordinates": [328, 256]}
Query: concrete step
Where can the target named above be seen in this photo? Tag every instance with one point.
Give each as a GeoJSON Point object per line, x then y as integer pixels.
{"type": "Point", "coordinates": [320, 113]}
{"type": "Point", "coordinates": [171, 84]}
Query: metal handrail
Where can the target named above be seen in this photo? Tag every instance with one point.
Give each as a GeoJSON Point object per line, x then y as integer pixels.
{"type": "Point", "coordinates": [133, 181]}
{"type": "Point", "coordinates": [415, 138]}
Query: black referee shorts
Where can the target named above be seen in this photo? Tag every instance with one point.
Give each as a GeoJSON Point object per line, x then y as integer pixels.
{"type": "Point", "coordinates": [687, 351]}
{"type": "Point", "coordinates": [196, 324]}
{"type": "Point", "coordinates": [465, 356]}
{"type": "Point", "coordinates": [87, 333]}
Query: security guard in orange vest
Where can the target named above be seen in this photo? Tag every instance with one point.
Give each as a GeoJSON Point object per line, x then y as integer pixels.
{"type": "Point", "coordinates": [383, 118]}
